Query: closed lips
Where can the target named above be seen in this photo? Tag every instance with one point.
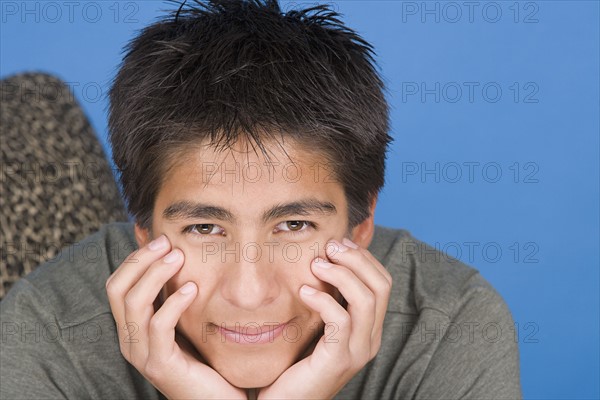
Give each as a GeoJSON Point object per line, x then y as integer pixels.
{"type": "Point", "coordinates": [253, 334]}
{"type": "Point", "coordinates": [249, 329]}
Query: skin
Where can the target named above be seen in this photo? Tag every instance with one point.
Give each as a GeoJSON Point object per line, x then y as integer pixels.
{"type": "Point", "coordinates": [275, 279]}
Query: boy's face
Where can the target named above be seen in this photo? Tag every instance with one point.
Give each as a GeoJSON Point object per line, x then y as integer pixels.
{"type": "Point", "coordinates": [249, 233]}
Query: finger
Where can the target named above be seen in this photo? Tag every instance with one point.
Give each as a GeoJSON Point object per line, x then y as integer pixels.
{"type": "Point", "coordinates": [365, 252]}
{"type": "Point", "coordinates": [143, 256]}
{"type": "Point", "coordinates": [355, 259]}
{"type": "Point", "coordinates": [139, 301]}
{"type": "Point", "coordinates": [334, 316]}
{"type": "Point", "coordinates": [361, 300]}
{"type": "Point", "coordinates": [382, 303]}
{"type": "Point", "coordinates": [129, 272]}
{"type": "Point", "coordinates": [370, 271]}
{"type": "Point", "coordinates": [161, 332]}
{"type": "Point", "coordinates": [386, 274]}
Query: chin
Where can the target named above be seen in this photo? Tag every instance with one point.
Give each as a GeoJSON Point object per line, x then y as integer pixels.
{"type": "Point", "coordinates": [253, 372]}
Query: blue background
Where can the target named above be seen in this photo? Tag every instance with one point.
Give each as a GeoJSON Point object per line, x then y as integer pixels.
{"type": "Point", "coordinates": [516, 192]}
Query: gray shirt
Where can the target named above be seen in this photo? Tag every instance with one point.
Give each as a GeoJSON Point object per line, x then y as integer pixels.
{"type": "Point", "coordinates": [447, 333]}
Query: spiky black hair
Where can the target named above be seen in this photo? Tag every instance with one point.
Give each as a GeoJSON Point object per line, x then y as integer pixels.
{"type": "Point", "coordinates": [224, 70]}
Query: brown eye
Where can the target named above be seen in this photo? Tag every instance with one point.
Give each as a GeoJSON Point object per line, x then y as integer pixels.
{"type": "Point", "coordinates": [199, 230]}
{"type": "Point", "coordinates": [205, 228]}
{"type": "Point", "coordinates": [294, 225]}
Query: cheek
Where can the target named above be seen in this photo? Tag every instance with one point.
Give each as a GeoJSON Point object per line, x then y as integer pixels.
{"type": "Point", "coordinates": [203, 274]}
{"type": "Point", "coordinates": [297, 265]}
{"type": "Point", "coordinates": [291, 263]}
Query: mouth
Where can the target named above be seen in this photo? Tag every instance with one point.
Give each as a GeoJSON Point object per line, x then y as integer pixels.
{"type": "Point", "coordinates": [252, 333]}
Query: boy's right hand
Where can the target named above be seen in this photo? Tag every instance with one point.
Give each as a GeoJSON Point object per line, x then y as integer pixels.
{"type": "Point", "coordinates": [147, 337]}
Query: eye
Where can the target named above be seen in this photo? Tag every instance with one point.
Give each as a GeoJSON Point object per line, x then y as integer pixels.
{"type": "Point", "coordinates": [295, 226]}
{"type": "Point", "coordinates": [204, 229]}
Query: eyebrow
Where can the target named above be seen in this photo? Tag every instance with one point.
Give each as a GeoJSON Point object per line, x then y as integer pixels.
{"type": "Point", "coordinates": [196, 210]}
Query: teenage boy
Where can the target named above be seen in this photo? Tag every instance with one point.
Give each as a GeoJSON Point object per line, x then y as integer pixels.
{"type": "Point", "coordinates": [251, 147]}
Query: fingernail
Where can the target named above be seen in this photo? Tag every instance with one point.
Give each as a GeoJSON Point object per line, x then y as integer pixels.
{"type": "Point", "coordinates": [188, 288]}
{"type": "Point", "coordinates": [305, 289]}
{"type": "Point", "coordinates": [334, 247]}
{"type": "Point", "coordinates": [171, 257]}
{"type": "Point", "coordinates": [158, 243]}
{"type": "Point", "coordinates": [350, 243]}
{"type": "Point", "coordinates": [319, 262]}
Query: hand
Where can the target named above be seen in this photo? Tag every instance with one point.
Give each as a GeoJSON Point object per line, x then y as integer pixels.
{"type": "Point", "coordinates": [366, 286]}
{"type": "Point", "coordinates": [147, 337]}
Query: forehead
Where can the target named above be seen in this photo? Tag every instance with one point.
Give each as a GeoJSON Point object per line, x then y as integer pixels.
{"type": "Point", "coordinates": [242, 179]}
{"type": "Point", "coordinates": [243, 152]}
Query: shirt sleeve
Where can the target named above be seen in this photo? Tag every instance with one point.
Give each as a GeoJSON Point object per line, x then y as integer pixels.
{"type": "Point", "coordinates": [477, 357]}
{"type": "Point", "coordinates": [34, 363]}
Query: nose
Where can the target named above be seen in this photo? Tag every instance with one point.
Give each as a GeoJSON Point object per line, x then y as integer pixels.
{"type": "Point", "coordinates": [250, 281]}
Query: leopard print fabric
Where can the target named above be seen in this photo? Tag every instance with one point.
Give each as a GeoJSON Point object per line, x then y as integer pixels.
{"type": "Point", "coordinates": [56, 184]}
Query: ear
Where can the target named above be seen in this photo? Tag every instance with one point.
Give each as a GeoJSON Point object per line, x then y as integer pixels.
{"type": "Point", "coordinates": [142, 236]}
{"type": "Point", "coordinates": [362, 234]}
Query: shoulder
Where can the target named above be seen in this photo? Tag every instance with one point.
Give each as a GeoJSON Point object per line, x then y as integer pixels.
{"type": "Point", "coordinates": [59, 335]}
{"type": "Point", "coordinates": [72, 283]}
{"type": "Point", "coordinates": [447, 333]}
{"type": "Point", "coordinates": [424, 277]}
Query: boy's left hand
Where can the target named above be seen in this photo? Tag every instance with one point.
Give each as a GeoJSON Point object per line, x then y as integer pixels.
{"type": "Point", "coordinates": [366, 286]}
